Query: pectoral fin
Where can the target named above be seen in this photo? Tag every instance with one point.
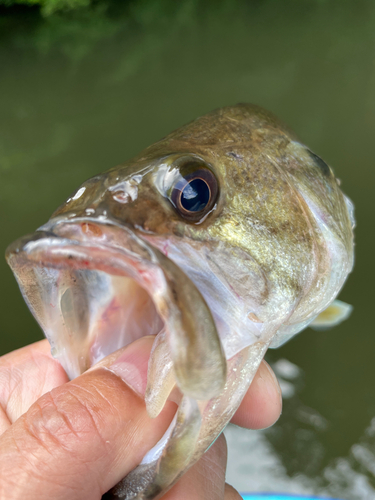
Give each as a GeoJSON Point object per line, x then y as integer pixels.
{"type": "Point", "coordinates": [335, 313]}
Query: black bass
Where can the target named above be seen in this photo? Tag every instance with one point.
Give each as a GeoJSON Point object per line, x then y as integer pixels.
{"type": "Point", "coordinates": [225, 238]}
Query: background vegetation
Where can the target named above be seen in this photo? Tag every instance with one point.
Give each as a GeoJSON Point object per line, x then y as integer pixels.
{"type": "Point", "coordinates": [48, 7]}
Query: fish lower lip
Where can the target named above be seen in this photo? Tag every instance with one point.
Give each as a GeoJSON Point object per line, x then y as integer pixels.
{"type": "Point", "coordinates": [95, 287]}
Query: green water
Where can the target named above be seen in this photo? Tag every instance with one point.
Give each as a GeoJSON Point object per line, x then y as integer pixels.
{"type": "Point", "coordinates": [83, 93]}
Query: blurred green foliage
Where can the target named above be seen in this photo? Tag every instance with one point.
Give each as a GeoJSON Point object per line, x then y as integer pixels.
{"type": "Point", "coordinates": [76, 27]}
{"type": "Point", "coordinates": [48, 7]}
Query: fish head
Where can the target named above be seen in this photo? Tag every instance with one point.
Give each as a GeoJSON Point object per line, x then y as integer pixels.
{"type": "Point", "coordinates": [226, 233]}
{"type": "Point", "coordinates": [224, 238]}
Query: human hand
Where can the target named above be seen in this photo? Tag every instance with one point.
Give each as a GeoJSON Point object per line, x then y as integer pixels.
{"type": "Point", "coordinates": [75, 440]}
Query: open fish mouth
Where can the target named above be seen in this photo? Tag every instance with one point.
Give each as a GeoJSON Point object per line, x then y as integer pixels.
{"type": "Point", "coordinates": [95, 286]}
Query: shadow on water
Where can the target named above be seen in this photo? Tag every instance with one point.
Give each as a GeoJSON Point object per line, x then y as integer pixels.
{"type": "Point", "coordinates": [82, 92]}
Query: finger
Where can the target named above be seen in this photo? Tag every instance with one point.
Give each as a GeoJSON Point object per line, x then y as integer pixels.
{"type": "Point", "coordinates": [30, 372]}
{"type": "Point", "coordinates": [80, 439]}
{"type": "Point", "coordinates": [231, 493]}
{"type": "Point", "coordinates": [206, 479]}
{"type": "Point", "coordinates": [25, 375]}
{"type": "Point", "coordinates": [42, 347]}
{"type": "Point", "coordinates": [262, 404]}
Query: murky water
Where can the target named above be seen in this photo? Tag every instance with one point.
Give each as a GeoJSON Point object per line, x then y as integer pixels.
{"type": "Point", "coordinates": [80, 95]}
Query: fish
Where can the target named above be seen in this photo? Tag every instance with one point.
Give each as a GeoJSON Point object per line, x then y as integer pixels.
{"type": "Point", "coordinates": [225, 238]}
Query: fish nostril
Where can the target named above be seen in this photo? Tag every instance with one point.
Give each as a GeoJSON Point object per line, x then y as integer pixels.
{"type": "Point", "coordinates": [91, 229]}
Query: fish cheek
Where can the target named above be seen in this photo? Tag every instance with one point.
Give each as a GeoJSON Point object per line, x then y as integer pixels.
{"type": "Point", "coordinates": [241, 273]}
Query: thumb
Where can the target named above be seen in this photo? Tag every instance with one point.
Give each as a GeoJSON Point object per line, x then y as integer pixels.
{"type": "Point", "coordinates": [80, 439]}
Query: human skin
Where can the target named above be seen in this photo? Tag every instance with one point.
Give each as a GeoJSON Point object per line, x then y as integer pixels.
{"type": "Point", "coordinates": [76, 439]}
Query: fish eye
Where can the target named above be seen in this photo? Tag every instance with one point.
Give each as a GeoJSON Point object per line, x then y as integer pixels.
{"type": "Point", "coordinates": [194, 191]}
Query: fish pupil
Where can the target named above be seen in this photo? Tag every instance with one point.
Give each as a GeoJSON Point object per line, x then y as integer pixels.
{"type": "Point", "coordinates": [195, 195]}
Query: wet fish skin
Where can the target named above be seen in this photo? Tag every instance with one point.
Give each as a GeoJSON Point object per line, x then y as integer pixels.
{"type": "Point", "coordinates": [269, 257]}
{"type": "Point", "coordinates": [264, 173]}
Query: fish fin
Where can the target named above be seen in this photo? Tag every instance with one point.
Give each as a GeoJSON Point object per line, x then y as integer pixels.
{"type": "Point", "coordinates": [335, 313]}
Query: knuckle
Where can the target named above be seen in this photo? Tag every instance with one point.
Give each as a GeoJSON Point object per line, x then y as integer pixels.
{"type": "Point", "coordinates": [64, 418]}
{"type": "Point", "coordinates": [59, 441]}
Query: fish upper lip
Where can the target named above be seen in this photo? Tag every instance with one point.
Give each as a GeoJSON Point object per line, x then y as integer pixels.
{"type": "Point", "coordinates": [54, 232]}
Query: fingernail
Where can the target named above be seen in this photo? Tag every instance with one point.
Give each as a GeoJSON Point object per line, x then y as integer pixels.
{"type": "Point", "coordinates": [271, 383]}
{"type": "Point", "coordinates": [132, 364]}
